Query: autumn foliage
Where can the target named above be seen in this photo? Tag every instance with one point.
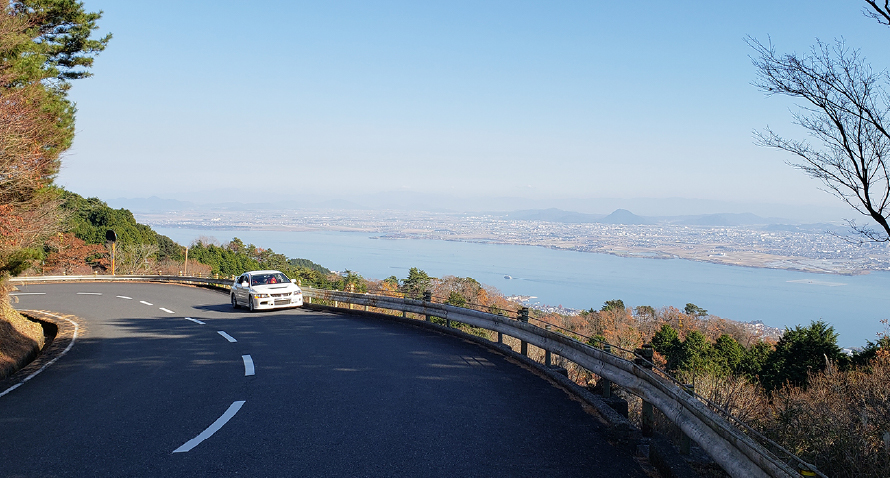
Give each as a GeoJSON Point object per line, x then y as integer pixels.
{"type": "Point", "coordinates": [30, 144]}
{"type": "Point", "coordinates": [70, 255]}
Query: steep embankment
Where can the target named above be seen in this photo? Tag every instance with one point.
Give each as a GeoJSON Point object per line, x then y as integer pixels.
{"type": "Point", "coordinates": [20, 339]}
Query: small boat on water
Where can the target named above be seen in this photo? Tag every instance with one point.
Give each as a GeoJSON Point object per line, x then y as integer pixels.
{"type": "Point", "coordinates": [507, 277]}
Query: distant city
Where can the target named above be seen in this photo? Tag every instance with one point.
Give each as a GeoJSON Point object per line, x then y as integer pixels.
{"type": "Point", "coordinates": [731, 239]}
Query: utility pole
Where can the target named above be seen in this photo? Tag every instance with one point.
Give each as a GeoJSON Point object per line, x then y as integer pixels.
{"type": "Point", "coordinates": [111, 237]}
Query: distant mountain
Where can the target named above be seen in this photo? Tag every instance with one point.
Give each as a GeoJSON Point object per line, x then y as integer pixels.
{"type": "Point", "coordinates": [153, 204]}
{"type": "Point", "coordinates": [623, 216]}
{"type": "Point", "coordinates": [729, 219]}
{"type": "Point", "coordinates": [553, 215]}
{"type": "Point", "coordinates": [817, 228]}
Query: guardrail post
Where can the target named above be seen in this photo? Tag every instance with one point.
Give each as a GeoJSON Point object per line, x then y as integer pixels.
{"type": "Point", "coordinates": [685, 441]}
{"type": "Point", "coordinates": [427, 297]}
{"type": "Point", "coordinates": [647, 418]}
{"type": "Point", "coordinates": [523, 317]}
{"type": "Point", "coordinates": [606, 383]}
{"type": "Point", "coordinates": [547, 356]}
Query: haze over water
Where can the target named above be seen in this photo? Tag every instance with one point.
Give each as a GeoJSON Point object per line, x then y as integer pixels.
{"type": "Point", "coordinates": [854, 305]}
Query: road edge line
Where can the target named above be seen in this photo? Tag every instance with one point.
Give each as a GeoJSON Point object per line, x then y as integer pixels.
{"type": "Point", "coordinates": [34, 374]}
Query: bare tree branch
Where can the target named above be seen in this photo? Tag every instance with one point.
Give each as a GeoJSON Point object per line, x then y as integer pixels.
{"type": "Point", "coordinates": [845, 111]}
{"type": "Point", "coordinates": [881, 13]}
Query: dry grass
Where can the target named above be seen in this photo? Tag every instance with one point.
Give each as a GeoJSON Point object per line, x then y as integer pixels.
{"type": "Point", "coordinates": [20, 338]}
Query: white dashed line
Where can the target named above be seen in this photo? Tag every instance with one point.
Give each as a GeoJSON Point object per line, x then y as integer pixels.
{"type": "Point", "coordinates": [144, 302]}
{"type": "Point", "coordinates": [248, 365]}
{"type": "Point", "coordinates": [195, 320]}
{"type": "Point", "coordinates": [29, 377]}
{"type": "Point", "coordinates": [124, 297]}
{"type": "Point", "coordinates": [89, 293]}
{"type": "Point", "coordinates": [167, 310]}
{"type": "Point", "coordinates": [233, 409]}
{"type": "Point", "coordinates": [227, 336]}
{"type": "Point", "coordinates": [27, 293]}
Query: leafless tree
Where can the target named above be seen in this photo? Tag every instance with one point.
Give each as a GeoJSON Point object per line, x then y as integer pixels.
{"type": "Point", "coordinates": [135, 258]}
{"type": "Point", "coordinates": [878, 11]}
{"type": "Point", "coordinates": [845, 109]}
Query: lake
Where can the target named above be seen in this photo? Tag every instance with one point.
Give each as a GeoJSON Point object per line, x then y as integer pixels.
{"type": "Point", "coordinates": [854, 305]}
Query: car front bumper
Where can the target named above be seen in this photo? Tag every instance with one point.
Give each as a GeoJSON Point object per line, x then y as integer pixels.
{"type": "Point", "coordinates": [265, 303]}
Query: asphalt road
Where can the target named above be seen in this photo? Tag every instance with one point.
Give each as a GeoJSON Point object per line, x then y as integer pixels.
{"type": "Point", "coordinates": [144, 391]}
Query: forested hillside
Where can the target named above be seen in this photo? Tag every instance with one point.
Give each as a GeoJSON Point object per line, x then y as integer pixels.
{"type": "Point", "coordinates": [44, 45]}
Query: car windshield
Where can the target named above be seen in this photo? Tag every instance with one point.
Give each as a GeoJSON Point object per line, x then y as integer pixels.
{"type": "Point", "coordinates": [270, 278]}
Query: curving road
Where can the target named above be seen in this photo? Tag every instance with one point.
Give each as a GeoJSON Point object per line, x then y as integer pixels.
{"type": "Point", "coordinates": [166, 380]}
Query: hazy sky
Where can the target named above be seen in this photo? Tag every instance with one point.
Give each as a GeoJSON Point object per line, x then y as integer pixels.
{"type": "Point", "coordinates": [539, 100]}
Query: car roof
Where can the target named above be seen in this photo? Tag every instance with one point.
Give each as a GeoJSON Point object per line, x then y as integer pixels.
{"type": "Point", "coordinates": [264, 272]}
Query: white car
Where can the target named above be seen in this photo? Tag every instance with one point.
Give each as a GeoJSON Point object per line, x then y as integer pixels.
{"type": "Point", "coordinates": [258, 290]}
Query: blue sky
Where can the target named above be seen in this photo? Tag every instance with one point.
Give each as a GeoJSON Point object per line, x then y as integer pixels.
{"type": "Point", "coordinates": [551, 103]}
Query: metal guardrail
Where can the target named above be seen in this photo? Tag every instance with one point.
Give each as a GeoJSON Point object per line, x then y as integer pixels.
{"type": "Point", "coordinates": [222, 283]}
{"type": "Point", "coordinates": [737, 453]}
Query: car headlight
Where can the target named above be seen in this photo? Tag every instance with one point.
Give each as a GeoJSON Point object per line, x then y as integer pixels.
{"type": "Point", "coordinates": [260, 296]}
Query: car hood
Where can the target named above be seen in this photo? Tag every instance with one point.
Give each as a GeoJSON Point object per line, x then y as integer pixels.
{"type": "Point", "coordinates": [272, 288]}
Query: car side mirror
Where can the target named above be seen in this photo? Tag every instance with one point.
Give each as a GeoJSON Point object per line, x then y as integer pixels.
{"type": "Point", "coordinates": [294, 281]}
{"type": "Point", "coordinates": [244, 284]}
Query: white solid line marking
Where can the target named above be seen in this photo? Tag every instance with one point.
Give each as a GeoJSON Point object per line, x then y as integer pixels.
{"type": "Point", "coordinates": [233, 409]}
{"type": "Point", "coordinates": [195, 320]}
{"type": "Point", "coordinates": [89, 293]}
{"type": "Point", "coordinates": [27, 293]}
{"type": "Point", "coordinates": [144, 302]}
{"type": "Point", "coordinates": [124, 297]}
{"type": "Point", "coordinates": [227, 336]}
{"type": "Point", "coordinates": [248, 365]}
{"type": "Point", "coordinates": [167, 310]}
{"type": "Point", "coordinates": [29, 377]}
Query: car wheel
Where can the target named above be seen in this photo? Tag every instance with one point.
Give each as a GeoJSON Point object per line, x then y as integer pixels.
{"type": "Point", "coordinates": [234, 302]}
{"type": "Point", "coordinates": [250, 304]}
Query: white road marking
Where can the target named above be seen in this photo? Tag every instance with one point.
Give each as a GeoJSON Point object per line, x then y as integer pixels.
{"type": "Point", "coordinates": [27, 293]}
{"type": "Point", "coordinates": [124, 297]}
{"type": "Point", "coordinates": [227, 336]}
{"type": "Point", "coordinates": [89, 293]}
{"type": "Point", "coordinates": [248, 365]}
{"type": "Point", "coordinates": [144, 302]}
{"type": "Point", "coordinates": [195, 320]}
{"type": "Point", "coordinates": [167, 310]}
{"type": "Point", "coordinates": [233, 409]}
{"type": "Point", "coordinates": [29, 377]}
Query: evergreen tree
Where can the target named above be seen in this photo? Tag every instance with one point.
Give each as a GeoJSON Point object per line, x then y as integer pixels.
{"type": "Point", "coordinates": [43, 44]}
{"type": "Point", "coordinates": [727, 354]}
{"type": "Point", "coordinates": [416, 283]}
{"type": "Point", "coordinates": [801, 350]}
{"type": "Point", "coordinates": [615, 304]}
{"type": "Point", "coordinates": [694, 353]}
{"type": "Point", "coordinates": [694, 310]}
{"type": "Point", "coordinates": [667, 342]}
{"type": "Point", "coordinates": [754, 359]}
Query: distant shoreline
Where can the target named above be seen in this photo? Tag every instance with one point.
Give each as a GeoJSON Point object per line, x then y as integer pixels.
{"type": "Point", "coordinates": [757, 260]}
